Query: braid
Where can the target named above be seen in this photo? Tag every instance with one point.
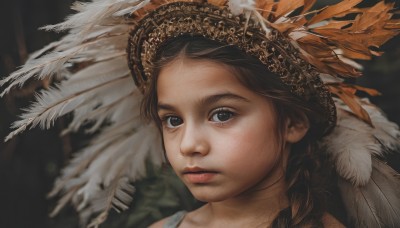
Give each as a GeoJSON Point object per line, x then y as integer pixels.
{"type": "Point", "coordinates": [306, 201]}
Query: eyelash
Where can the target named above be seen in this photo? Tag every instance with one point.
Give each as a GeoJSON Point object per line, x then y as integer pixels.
{"type": "Point", "coordinates": [165, 119]}
{"type": "Point", "coordinates": [219, 111]}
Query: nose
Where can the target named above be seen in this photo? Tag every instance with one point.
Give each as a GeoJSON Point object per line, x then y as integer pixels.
{"type": "Point", "coordinates": [194, 141]}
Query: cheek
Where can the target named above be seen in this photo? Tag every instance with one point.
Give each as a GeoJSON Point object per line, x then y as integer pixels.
{"type": "Point", "coordinates": [252, 146]}
{"type": "Point", "coordinates": [171, 150]}
{"type": "Point", "coordinates": [255, 135]}
{"type": "Point", "coordinates": [249, 147]}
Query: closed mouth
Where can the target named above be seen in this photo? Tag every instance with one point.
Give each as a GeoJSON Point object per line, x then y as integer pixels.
{"type": "Point", "coordinates": [198, 175]}
{"type": "Point", "coordinates": [197, 170]}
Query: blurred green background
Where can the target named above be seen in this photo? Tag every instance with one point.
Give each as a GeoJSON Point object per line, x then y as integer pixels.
{"type": "Point", "coordinates": [30, 162]}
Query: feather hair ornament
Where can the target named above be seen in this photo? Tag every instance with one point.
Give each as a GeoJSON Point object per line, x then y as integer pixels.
{"type": "Point", "coordinates": [353, 144]}
{"type": "Point", "coordinates": [375, 204]}
{"type": "Point", "coordinates": [93, 82]}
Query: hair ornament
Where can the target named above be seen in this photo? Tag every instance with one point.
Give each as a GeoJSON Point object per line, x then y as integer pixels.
{"type": "Point", "coordinates": [312, 51]}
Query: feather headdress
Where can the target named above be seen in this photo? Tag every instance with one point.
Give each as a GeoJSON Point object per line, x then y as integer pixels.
{"type": "Point", "coordinates": [94, 83]}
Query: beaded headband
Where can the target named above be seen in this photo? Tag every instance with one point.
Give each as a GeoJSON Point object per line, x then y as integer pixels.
{"type": "Point", "coordinates": [219, 24]}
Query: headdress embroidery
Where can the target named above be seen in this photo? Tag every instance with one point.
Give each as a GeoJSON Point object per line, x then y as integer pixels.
{"type": "Point", "coordinates": [219, 24]}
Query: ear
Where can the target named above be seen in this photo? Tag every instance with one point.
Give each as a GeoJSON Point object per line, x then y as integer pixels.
{"type": "Point", "coordinates": [296, 130]}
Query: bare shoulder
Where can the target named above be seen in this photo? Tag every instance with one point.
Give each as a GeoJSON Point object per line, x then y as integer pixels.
{"type": "Point", "coordinates": [329, 221]}
{"type": "Point", "coordinates": [159, 223]}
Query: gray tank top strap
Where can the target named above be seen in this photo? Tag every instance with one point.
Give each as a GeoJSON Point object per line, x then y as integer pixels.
{"type": "Point", "coordinates": [175, 220]}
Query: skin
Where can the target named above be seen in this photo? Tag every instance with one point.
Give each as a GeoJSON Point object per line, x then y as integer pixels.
{"type": "Point", "coordinates": [212, 123]}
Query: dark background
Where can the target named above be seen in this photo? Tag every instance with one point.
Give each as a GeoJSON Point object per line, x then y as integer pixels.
{"type": "Point", "coordinates": [30, 162]}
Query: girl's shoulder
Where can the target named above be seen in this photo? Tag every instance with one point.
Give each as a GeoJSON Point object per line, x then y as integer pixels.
{"type": "Point", "coordinates": [170, 222]}
{"type": "Point", "coordinates": [159, 223]}
{"type": "Point", "coordinates": [329, 221]}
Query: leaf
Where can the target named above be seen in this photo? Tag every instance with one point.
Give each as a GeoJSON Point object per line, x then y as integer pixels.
{"type": "Point", "coordinates": [354, 88]}
{"type": "Point", "coordinates": [350, 11]}
{"type": "Point", "coordinates": [284, 27]}
{"type": "Point", "coordinates": [315, 46]}
{"type": "Point", "coordinates": [217, 2]}
{"type": "Point", "coordinates": [357, 43]}
{"type": "Point", "coordinates": [367, 30]}
{"type": "Point", "coordinates": [333, 25]}
{"type": "Point", "coordinates": [352, 102]}
{"type": "Point", "coordinates": [286, 6]}
{"type": "Point", "coordinates": [351, 53]}
{"type": "Point", "coordinates": [265, 7]}
{"type": "Point", "coordinates": [371, 16]}
{"type": "Point", "coordinates": [333, 10]}
{"type": "Point", "coordinates": [338, 67]}
{"type": "Point", "coordinates": [392, 24]}
{"type": "Point", "coordinates": [307, 5]}
{"type": "Point", "coordinates": [321, 55]}
{"type": "Point", "coordinates": [370, 91]}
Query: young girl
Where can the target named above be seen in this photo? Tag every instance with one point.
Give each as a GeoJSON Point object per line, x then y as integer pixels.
{"type": "Point", "coordinates": [236, 137]}
{"type": "Point", "coordinates": [253, 116]}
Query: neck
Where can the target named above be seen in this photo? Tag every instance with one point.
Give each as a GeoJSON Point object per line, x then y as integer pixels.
{"type": "Point", "coordinates": [266, 200]}
{"type": "Point", "coordinates": [258, 206]}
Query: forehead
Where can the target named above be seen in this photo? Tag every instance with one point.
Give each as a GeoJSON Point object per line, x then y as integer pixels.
{"type": "Point", "coordinates": [184, 77]}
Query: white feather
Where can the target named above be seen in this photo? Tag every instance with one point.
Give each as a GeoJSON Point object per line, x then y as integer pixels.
{"type": "Point", "coordinates": [385, 131]}
{"type": "Point", "coordinates": [98, 115]}
{"type": "Point", "coordinates": [125, 158]}
{"type": "Point", "coordinates": [239, 6]}
{"type": "Point", "coordinates": [131, 9]}
{"type": "Point", "coordinates": [327, 78]}
{"type": "Point", "coordinates": [40, 69]}
{"type": "Point", "coordinates": [118, 196]}
{"type": "Point", "coordinates": [92, 14]}
{"type": "Point", "coordinates": [340, 54]}
{"type": "Point", "coordinates": [297, 34]}
{"type": "Point", "coordinates": [52, 63]}
{"type": "Point", "coordinates": [120, 150]}
{"type": "Point", "coordinates": [377, 203]}
{"type": "Point", "coordinates": [352, 143]}
{"type": "Point", "coordinates": [70, 95]}
{"type": "Point", "coordinates": [117, 155]}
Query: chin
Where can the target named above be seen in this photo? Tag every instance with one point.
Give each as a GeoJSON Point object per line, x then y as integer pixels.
{"type": "Point", "coordinates": [209, 195]}
{"type": "Point", "coordinates": [209, 198]}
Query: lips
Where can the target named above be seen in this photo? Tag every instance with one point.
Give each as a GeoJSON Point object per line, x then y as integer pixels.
{"type": "Point", "coordinates": [197, 175]}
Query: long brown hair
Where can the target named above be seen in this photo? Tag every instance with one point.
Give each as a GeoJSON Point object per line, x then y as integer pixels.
{"type": "Point", "coordinates": [305, 197]}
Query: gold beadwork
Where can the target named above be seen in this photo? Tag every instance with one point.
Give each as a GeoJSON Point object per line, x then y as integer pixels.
{"type": "Point", "coordinates": [218, 24]}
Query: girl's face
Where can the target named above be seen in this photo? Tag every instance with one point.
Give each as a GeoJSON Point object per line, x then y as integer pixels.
{"type": "Point", "coordinates": [219, 136]}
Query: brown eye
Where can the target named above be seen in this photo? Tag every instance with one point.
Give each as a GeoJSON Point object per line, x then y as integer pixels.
{"type": "Point", "coordinates": [173, 121]}
{"type": "Point", "coordinates": [221, 116]}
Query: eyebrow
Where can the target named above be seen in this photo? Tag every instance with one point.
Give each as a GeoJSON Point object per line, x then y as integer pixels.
{"type": "Point", "coordinates": [212, 99]}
